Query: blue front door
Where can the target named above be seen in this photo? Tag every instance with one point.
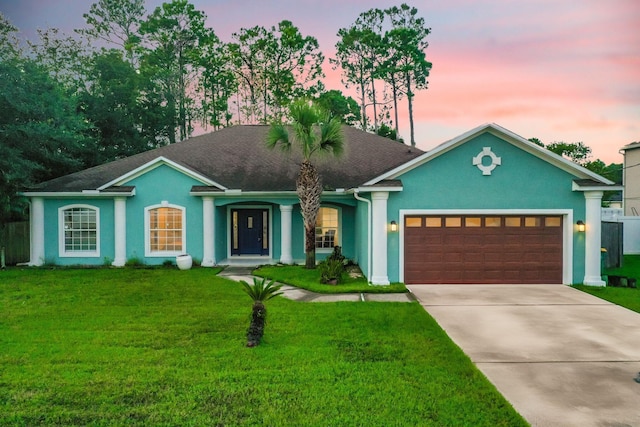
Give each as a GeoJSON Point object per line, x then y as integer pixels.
{"type": "Point", "coordinates": [250, 232]}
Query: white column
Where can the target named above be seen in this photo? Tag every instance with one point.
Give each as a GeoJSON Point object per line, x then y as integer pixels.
{"type": "Point", "coordinates": [592, 274]}
{"type": "Point", "coordinates": [379, 238]}
{"type": "Point", "coordinates": [285, 234]}
{"type": "Point", "coordinates": [208, 230]}
{"type": "Point", "coordinates": [120, 231]}
{"type": "Point", "coordinates": [37, 231]}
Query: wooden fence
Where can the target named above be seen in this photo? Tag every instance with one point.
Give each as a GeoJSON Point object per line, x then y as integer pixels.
{"type": "Point", "coordinates": [14, 238]}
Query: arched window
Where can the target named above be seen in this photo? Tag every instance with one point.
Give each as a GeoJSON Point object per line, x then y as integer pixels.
{"type": "Point", "coordinates": [164, 230]}
{"type": "Point", "coordinates": [79, 231]}
{"type": "Point", "coordinates": [327, 228]}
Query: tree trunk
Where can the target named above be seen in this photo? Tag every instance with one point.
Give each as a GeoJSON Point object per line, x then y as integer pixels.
{"type": "Point", "coordinates": [394, 87]}
{"type": "Point", "coordinates": [256, 327]}
{"type": "Point", "coordinates": [309, 190]}
{"type": "Point", "coordinates": [410, 100]}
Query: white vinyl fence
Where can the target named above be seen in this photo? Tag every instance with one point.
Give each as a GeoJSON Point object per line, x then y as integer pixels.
{"type": "Point", "coordinates": [631, 229]}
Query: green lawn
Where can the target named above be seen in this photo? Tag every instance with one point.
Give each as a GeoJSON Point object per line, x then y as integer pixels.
{"type": "Point", "coordinates": [626, 297]}
{"type": "Point", "coordinates": [167, 347]}
{"type": "Point", "coordinates": [310, 279]}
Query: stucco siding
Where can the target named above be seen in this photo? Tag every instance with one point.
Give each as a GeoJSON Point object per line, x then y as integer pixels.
{"type": "Point", "coordinates": [452, 182]}
{"type": "Point", "coordinates": [52, 231]}
{"type": "Point", "coordinates": [163, 184]}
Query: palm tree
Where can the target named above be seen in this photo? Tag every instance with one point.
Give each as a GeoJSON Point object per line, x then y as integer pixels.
{"type": "Point", "coordinates": [316, 132]}
{"type": "Point", "coordinates": [260, 292]}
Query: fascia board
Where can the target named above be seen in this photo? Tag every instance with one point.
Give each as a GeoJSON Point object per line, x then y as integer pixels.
{"type": "Point", "coordinates": [370, 189]}
{"type": "Point", "coordinates": [78, 194]}
{"type": "Point", "coordinates": [577, 187]}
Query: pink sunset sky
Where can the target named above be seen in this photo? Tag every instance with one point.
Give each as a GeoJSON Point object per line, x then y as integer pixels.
{"type": "Point", "coordinates": [557, 70]}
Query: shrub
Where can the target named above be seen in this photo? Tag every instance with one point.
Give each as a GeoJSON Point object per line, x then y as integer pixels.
{"type": "Point", "coordinates": [331, 271]}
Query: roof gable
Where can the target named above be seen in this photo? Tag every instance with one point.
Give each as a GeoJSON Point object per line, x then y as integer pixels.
{"type": "Point", "coordinates": [153, 164]}
{"type": "Point", "coordinates": [505, 135]}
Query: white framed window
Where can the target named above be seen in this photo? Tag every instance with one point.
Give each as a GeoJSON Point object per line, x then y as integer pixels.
{"type": "Point", "coordinates": [328, 228]}
{"type": "Point", "coordinates": [165, 230]}
{"type": "Point", "coordinates": [79, 231]}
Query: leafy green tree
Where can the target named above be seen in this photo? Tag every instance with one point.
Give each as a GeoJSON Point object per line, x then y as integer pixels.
{"type": "Point", "coordinates": [536, 141]}
{"type": "Point", "coordinates": [260, 292]}
{"type": "Point", "coordinates": [175, 33]}
{"type": "Point", "coordinates": [388, 132]}
{"type": "Point", "coordinates": [110, 102]}
{"type": "Point", "coordinates": [218, 83]}
{"type": "Point", "coordinates": [64, 57]}
{"type": "Point", "coordinates": [9, 44]}
{"type": "Point", "coordinates": [42, 135]}
{"type": "Point", "coordinates": [295, 66]}
{"type": "Point", "coordinates": [338, 105]}
{"type": "Point", "coordinates": [384, 45]}
{"type": "Point", "coordinates": [249, 60]}
{"type": "Point", "coordinates": [273, 67]}
{"type": "Point", "coordinates": [407, 63]}
{"type": "Point", "coordinates": [314, 131]}
{"type": "Point", "coordinates": [353, 56]}
{"type": "Point", "coordinates": [116, 22]}
{"type": "Point", "coordinates": [577, 152]}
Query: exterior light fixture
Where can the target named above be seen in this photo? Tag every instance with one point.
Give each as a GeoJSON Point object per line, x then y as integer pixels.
{"type": "Point", "coordinates": [581, 226]}
{"type": "Point", "coordinates": [394, 226]}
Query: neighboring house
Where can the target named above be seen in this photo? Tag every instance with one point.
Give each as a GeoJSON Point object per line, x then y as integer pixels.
{"type": "Point", "coordinates": [486, 207]}
{"type": "Point", "coordinates": [631, 179]}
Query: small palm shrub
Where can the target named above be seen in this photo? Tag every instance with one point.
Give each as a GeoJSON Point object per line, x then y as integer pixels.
{"type": "Point", "coordinates": [332, 268]}
{"type": "Point", "coordinates": [331, 271]}
{"type": "Point", "coordinates": [260, 291]}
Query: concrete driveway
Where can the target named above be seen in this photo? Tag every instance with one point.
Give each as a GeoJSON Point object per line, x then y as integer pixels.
{"type": "Point", "coordinates": [560, 356]}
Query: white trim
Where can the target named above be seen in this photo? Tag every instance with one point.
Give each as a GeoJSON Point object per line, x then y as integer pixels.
{"type": "Point", "coordinates": [593, 238]}
{"type": "Point", "coordinates": [240, 193]}
{"type": "Point", "coordinates": [147, 232]}
{"type": "Point", "coordinates": [36, 232]}
{"type": "Point", "coordinates": [379, 267]}
{"type": "Point", "coordinates": [368, 202]}
{"type": "Point", "coordinates": [157, 162]}
{"type": "Point", "coordinates": [577, 187]}
{"type": "Point", "coordinates": [503, 134]}
{"type": "Point", "coordinates": [119, 231]}
{"type": "Point", "coordinates": [208, 232]}
{"type": "Point", "coordinates": [230, 236]}
{"type": "Point", "coordinates": [567, 231]}
{"type": "Point", "coordinates": [286, 256]}
{"type": "Point", "coordinates": [79, 194]}
{"type": "Point", "coordinates": [62, 252]}
{"type": "Point", "coordinates": [372, 188]}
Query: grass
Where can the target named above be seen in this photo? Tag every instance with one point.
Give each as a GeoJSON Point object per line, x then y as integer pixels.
{"type": "Point", "coordinates": [166, 347]}
{"type": "Point", "coordinates": [626, 297]}
{"type": "Point", "coordinates": [308, 279]}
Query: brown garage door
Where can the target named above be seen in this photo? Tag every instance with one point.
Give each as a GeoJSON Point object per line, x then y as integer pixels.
{"type": "Point", "coordinates": [483, 249]}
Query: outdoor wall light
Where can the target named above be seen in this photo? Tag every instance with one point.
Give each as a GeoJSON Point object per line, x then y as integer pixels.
{"type": "Point", "coordinates": [581, 226]}
{"type": "Point", "coordinates": [394, 226]}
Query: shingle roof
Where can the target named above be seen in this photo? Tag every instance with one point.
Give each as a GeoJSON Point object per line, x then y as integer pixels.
{"type": "Point", "coordinates": [237, 158]}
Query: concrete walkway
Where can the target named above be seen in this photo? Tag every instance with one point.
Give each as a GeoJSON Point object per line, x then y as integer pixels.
{"type": "Point", "coordinates": [297, 294]}
{"type": "Point", "coordinates": [560, 356]}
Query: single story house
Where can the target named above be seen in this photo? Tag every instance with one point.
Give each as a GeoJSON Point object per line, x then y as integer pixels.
{"type": "Point", "coordinates": [485, 207]}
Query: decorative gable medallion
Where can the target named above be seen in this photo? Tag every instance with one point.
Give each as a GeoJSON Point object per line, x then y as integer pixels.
{"type": "Point", "coordinates": [487, 169]}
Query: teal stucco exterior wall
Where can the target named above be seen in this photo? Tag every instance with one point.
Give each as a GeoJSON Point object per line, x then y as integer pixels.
{"type": "Point", "coordinates": [52, 231]}
{"type": "Point", "coordinates": [451, 182]}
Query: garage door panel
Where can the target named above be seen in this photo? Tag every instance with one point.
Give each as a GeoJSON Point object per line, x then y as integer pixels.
{"type": "Point", "coordinates": [528, 253]}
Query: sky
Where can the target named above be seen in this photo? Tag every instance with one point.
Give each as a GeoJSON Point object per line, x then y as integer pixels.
{"type": "Point", "coordinates": [556, 70]}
